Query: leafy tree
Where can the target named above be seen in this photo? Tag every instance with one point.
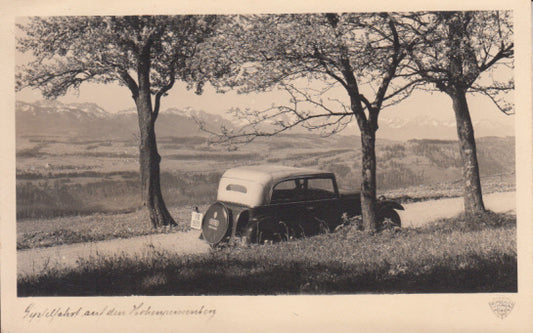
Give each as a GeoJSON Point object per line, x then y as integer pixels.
{"type": "Point", "coordinates": [314, 59]}
{"type": "Point", "coordinates": [462, 53]}
{"type": "Point", "coordinates": [146, 54]}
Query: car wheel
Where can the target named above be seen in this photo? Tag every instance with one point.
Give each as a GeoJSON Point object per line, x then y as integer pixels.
{"type": "Point", "coordinates": [323, 227]}
{"type": "Point", "coordinates": [391, 216]}
{"type": "Point", "coordinates": [285, 233]}
{"type": "Point", "coordinates": [264, 228]}
{"type": "Point", "coordinates": [250, 234]}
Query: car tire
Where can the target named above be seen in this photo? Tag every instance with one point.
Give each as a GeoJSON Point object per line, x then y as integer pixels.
{"type": "Point", "coordinates": [264, 228]}
{"type": "Point", "coordinates": [390, 214]}
{"type": "Point", "coordinates": [251, 233]}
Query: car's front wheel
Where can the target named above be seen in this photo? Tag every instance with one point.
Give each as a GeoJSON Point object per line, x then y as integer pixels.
{"type": "Point", "coordinates": [389, 218]}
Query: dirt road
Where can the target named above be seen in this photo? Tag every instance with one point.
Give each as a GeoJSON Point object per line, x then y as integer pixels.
{"type": "Point", "coordinates": [32, 261]}
{"type": "Point", "coordinates": [419, 213]}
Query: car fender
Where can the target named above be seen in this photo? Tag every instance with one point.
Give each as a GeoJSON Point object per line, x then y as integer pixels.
{"type": "Point", "coordinates": [388, 204]}
{"type": "Point", "coordinates": [239, 216]}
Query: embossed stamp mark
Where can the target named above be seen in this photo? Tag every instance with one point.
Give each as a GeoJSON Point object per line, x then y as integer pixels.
{"type": "Point", "coordinates": [501, 306]}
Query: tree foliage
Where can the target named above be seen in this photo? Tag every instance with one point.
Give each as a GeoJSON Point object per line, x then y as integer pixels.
{"type": "Point", "coordinates": [470, 51]}
{"type": "Point", "coordinates": [326, 63]}
{"type": "Point", "coordinates": [69, 51]}
{"type": "Point", "coordinates": [146, 54]}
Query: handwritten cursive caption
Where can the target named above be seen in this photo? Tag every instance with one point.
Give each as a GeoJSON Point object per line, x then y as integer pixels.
{"type": "Point", "coordinates": [32, 312]}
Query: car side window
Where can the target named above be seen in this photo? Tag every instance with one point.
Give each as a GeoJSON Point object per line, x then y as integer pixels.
{"type": "Point", "coordinates": [288, 191]}
{"type": "Point", "coordinates": [320, 188]}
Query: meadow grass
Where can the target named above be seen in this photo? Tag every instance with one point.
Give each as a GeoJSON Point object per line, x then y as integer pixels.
{"type": "Point", "coordinates": [83, 177]}
{"type": "Point", "coordinates": [92, 192]}
{"type": "Point", "coordinates": [77, 229]}
{"type": "Point", "coordinates": [64, 196]}
{"type": "Point", "coordinates": [463, 255]}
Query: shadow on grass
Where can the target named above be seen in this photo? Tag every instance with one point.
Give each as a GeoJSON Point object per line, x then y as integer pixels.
{"type": "Point", "coordinates": [207, 277]}
{"type": "Point", "coordinates": [466, 254]}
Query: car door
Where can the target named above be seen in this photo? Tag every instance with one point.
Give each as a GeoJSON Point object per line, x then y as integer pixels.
{"type": "Point", "coordinates": [321, 201]}
{"type": "Point", "coordinates": [287, 202]}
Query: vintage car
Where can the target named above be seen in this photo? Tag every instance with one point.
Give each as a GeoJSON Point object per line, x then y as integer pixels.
{"type": "Point", "coordinates": [274, 202]}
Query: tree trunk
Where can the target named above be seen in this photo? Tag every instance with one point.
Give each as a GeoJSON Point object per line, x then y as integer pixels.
{"type": "Point", "coordinates": [149, 158]}
{"type": "Point", "coordinates": [473, 200]}
{"type": "Point", "coordinates": [368, 180]}
{"type": "Point", "coordinates": [368, 128]}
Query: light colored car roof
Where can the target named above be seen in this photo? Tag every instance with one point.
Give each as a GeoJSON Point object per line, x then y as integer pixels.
{"type": "Point", "coordinates": [255, 182]}
{"type": "Point", "coordinates": [269, 173]}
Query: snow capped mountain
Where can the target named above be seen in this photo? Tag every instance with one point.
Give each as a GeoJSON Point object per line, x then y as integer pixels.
{"type": "Point", "coordinates": [52, 118]}
{"type": "Point", "coordinates": [89, 108]}
{"type": "Point", "coordinates": [402, 129]}
{"type": "Point", "coordinates": [186, 112]}
{"type": "Point", "coordinates": [127, 111]}
{"type": "Point", "coordinates": [192, 113]}
{"type": "Point", "coordinates": [45, 118]}
{"type": "Point", "coordinates": [77, 109]}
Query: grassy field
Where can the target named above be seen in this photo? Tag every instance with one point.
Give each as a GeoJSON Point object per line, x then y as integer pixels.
{"type": "Point", "coordinates": [45, 232]}
{"type": "Point", "coordinates": [78, 190]}
{"type": "Point", "coordinates": [33, 233]}
{"type": "Point", "coordinates": [449, 256]}
{"type": "Point", "coordinates": [59, 177]}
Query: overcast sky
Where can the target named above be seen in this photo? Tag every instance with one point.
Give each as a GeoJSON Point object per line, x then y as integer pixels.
{"type": "Point", "coordinates": [113, 98]}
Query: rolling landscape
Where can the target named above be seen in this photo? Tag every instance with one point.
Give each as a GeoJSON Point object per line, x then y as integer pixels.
{"type": "Point", "coordinates": [78, 183]}
{"type": "Point", "coordinates": [77, 159]}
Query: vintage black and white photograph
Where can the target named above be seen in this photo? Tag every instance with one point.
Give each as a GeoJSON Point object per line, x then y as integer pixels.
{"type": "Point", "coordinates": [312, 153]}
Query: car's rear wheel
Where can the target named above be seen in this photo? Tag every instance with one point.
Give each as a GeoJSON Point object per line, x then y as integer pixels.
{"type": "Point", "coordinates": [251, 233]}
{"type": "Point", "coordinates": [264, 228]}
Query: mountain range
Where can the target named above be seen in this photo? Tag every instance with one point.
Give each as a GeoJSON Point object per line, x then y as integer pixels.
{"type": "Point", "coordinates": [55, 119]}
{"type": "Point", "coordinates": [88, 120]}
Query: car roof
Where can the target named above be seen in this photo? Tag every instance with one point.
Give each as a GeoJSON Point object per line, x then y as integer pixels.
{"type": "Point", "coordinates": [270, 173]}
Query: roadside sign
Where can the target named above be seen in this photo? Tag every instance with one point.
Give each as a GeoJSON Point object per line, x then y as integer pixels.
{"type": "Point", "coordinates": [196, 220]}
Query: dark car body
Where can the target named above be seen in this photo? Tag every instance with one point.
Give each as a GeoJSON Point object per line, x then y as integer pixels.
{"type": "Point", "coordinates": [273, 202]}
